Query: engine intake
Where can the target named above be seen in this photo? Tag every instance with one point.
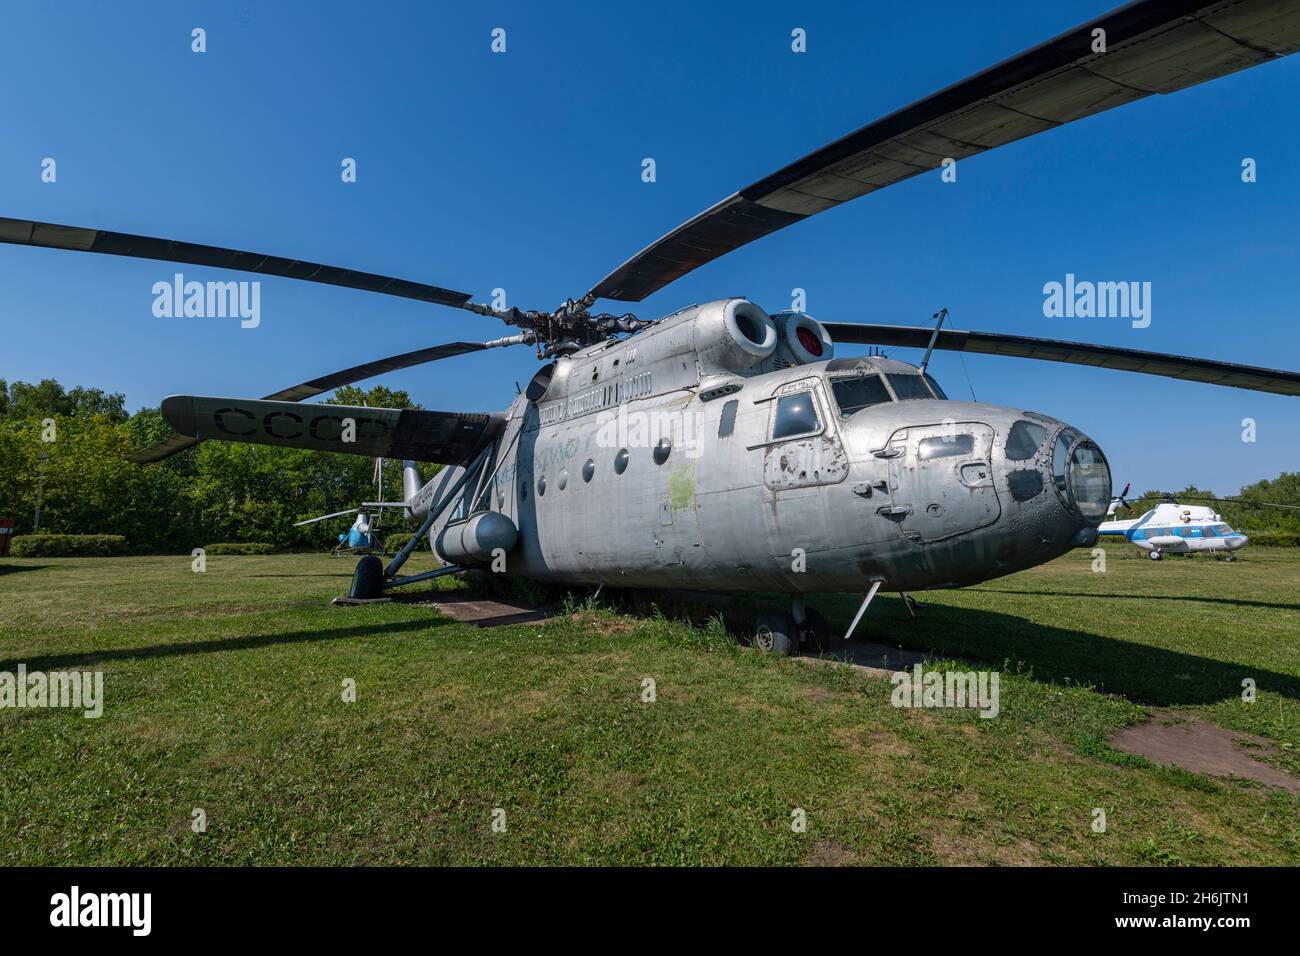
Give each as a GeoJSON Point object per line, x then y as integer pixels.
{"type": "Point", "coordinates": [806, 339]}
{"type": "Point", "coordinates": [734, 334]}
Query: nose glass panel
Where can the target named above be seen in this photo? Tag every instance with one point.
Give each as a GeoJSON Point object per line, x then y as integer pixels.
{"type": "Point", "coordinates": [1082, 474]}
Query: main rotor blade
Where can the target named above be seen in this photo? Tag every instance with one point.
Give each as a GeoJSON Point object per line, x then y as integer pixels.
{"type": "Point", "coordinates": [297, 393]}
{"type": "Point", "coordinates": [359, 373]}
{"type": "Point", "coordinates": [1151, 46]}
{"type": "Point", "coordinates": [28, 233]}
{"type": "Point", "coordinates": [1236, 501]}
{"type": "Point", "coordinates": [336, 514]}
{"type": "Point", "coordinates": [1076, 353]}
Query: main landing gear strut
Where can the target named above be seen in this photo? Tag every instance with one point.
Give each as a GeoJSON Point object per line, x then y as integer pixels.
{"type": "Point", "coordinates": [786, 632]}
{"type": "Point", "coordinates": [802, 628]}
{"type": "Point", "coordinates": [371, 579]}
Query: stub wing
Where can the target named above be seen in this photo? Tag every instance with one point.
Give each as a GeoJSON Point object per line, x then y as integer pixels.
{"type": "Point", "coordinates": [449, 438]}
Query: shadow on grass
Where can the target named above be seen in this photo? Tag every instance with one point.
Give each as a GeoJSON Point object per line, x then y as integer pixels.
{"type": "Point", "coordinates": [305, 574]}
{"type": "Point", "coordinates": [17, 568]}
{"type": "Point", "coordinates": [182, 649]}
{"type": "Point", "coordinates": [1235, 602]}
{"type": "Point", "coordinates": [1140, 672]}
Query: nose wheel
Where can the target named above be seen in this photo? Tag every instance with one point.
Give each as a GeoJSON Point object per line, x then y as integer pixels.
{"type": "Point", "coordinates": [1154, 554]}
{"type": "Point", "coordinates": [775, 633]}
{"type": "Point", "coordinates": [778, 632]}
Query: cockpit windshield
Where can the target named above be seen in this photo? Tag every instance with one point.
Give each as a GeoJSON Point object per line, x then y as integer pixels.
{"type": "Point", "coordinates": [908, 387]}
{"type": "Point", "coordinates": [858, 392]}
{"type": "Point", "coordinates": [856, 386]}
{"type": "Point", "coordinates": [934, 386]}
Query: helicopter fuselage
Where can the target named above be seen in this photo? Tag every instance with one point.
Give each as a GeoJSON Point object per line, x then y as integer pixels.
{"type": "Point", "coordinates": [669, 460]}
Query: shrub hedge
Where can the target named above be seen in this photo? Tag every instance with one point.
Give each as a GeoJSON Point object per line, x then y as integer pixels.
{"type": "Point", "coordinates": [67, 545]}
{"type": "Point", "coordinates": [396, 541]}
{"type": "Point", "coordinates": [240, 547]}
{"type": "Point", "coordinates": [1275, 539]}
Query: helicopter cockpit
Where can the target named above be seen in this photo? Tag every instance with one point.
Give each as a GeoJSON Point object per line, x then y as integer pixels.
{"type": "Point", "coordinates": [859, 383]}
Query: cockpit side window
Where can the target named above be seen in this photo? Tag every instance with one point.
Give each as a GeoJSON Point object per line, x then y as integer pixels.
{"type": "Point", "coordinates": [907, 387]}
{"type": "Point", "coordinates": [859, 392]}
{"type": "Point", "coordinates": [946, 446]}
{"type": "Point", "coordinates": [795, 415]}
{"type": "Point", "coordinates": [934, 386]}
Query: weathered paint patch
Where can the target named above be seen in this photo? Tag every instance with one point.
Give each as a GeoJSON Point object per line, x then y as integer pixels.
{"type": "Point", "coordinates": [804, 464]}
{"type": "Point", "coordinates": [681, 486]}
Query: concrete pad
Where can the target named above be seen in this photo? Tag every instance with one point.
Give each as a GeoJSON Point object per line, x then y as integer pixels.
{"type": "Point", "coordinates": [483, 612]}
{"type": "Point", "coordinates": [1178, 739]}
{"type": "Point", "coordinates": [878, 660]}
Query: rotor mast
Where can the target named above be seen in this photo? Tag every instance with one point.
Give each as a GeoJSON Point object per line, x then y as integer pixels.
{"type": "Point", "coordinates": [563, 330]}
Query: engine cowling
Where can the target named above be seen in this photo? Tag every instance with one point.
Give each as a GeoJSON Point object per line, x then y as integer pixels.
{"type": "Point", "coordinates": [804, 337]}
{"type": "Point", "coordinates": [734, 334]}
{"type": "Point", "coordinates": [474, 540]}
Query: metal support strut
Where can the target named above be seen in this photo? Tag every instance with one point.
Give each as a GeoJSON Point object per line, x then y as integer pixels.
{"type": "Point", "coordinates": [909, 602]}
{"type": "Point", "coordinates": [434, 514]}
{"type": "Point", "coordinates": [875, 586]}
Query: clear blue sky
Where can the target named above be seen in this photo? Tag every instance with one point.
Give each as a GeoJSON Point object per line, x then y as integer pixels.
{"type": "Point", "coordinates": [522, 171]}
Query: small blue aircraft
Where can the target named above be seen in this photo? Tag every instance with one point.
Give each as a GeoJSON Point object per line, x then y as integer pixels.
{"type": "Point", "coordinates": [363, 537]}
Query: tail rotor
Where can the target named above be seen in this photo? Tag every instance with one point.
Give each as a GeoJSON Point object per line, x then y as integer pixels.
{"type": "Point", "coordinates": [1119, 500]}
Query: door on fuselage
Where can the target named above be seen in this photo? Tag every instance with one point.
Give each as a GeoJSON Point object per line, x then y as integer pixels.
{"type": "Point", "coordinates": [803, 452]}
{"type": "Point", "coordinates": [941, 480]}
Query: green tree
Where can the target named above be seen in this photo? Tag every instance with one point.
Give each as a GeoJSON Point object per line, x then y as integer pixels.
{"type": "Point", "coordinates": [217, 491]}
{"type": "Point", "coordinates": [377, 396]}
{"type": "Point", "coordinates": [48, 399]}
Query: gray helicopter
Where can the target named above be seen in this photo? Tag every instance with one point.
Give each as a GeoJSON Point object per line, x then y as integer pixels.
{"type": "Point", "coordinates": [726, 449]}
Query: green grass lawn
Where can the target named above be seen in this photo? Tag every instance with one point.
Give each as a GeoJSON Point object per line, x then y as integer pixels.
{"type": "Point", "coordinates": [224, 691]}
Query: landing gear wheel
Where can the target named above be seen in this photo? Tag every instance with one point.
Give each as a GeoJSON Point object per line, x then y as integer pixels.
{"type": "Point", "coordinates": [774, 633]}
{"type": "Point", "coordinates": [1154, 555]}
{"type": "Point", "coordinates": [1229, 557]}
{"type": "Point", "coordinates": [816, 632]}
{"type": "Point", "coordinates": [368, 579]}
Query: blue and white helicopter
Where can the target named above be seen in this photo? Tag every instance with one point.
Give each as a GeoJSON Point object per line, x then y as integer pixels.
{"type": "Point", "coordinates": [1178, 528]}
{"type": "Point", "coordinates": [363, 537]}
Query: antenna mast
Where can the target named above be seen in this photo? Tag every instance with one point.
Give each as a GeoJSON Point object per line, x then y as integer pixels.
{"type": "Point", "coordinates": [934, 337]}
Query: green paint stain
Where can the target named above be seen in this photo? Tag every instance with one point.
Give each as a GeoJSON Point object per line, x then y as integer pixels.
{"type": "Point", "coordinates": [681, 486]}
